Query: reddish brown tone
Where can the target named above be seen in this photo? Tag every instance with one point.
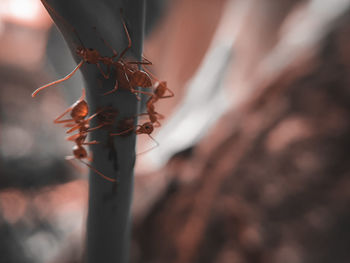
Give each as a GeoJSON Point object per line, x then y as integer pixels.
{"type": "Point", "coordinates": [79, 111]}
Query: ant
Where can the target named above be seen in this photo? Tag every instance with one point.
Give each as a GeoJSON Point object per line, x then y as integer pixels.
{"type": "Point", "coordinates": [160, 88]}
{"type": "Point", "coordinates": [87, 55]}
{"type": "Point", "coordinates": [148, 127]}
{"type": "Point", "coordinates": [79, 111]}
{"type": "Point", "coordinates": [128, 76]}
{"type": "Point", "coordinates": [145, 128]}
{"type": "Point", "coordinates": [159, 93]}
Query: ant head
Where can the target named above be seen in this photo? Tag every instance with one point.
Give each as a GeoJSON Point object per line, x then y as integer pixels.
{"type": "Point", "coordinates": [80, 51]}
{"type": "Point", "coordinates": [161, 88]}
{"type": "Point", "coordinates": [146, 128]}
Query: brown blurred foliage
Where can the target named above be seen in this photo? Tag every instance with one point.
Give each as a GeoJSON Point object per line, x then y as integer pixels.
{"type": "Point", "coordinates": [270, 182]}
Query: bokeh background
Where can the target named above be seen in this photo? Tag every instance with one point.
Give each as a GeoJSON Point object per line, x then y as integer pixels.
{"type": "Point", "coordinates": [253, 163]}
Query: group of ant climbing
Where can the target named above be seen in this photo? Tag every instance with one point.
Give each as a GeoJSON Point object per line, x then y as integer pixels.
{"type": "Point", "coordinates": [128, 76]}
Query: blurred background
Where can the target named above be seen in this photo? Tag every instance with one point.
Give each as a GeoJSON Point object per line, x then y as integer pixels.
{"type": "Point", "coordinates": [253, 163]}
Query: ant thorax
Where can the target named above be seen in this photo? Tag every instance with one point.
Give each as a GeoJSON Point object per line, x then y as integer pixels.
{"type": "Point", "coordinates": [81, 139]}
{"type": "Point", "coordinates": [121, 75]}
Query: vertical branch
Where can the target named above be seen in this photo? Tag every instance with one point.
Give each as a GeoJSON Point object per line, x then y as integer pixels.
{"type": "Point", "coordinates": [108, 226]}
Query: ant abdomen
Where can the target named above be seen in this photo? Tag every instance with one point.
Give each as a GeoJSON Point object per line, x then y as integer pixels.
{"type": "Point", "coordinates": [80, 111]}
{"type": "Point", "coordinates": [140, 78]}
{"type": "Point", "coordinates": [79, 152]}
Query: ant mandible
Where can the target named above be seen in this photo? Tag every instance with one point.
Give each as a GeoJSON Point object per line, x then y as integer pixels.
{"type": "Point", "coordinates": [79, 111]}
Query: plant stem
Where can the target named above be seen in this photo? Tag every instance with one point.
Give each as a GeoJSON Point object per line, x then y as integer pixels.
{"type": "Point", "coordinates": [108, 226]}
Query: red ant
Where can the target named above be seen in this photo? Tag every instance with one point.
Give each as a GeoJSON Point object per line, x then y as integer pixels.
{"type": "Point", "coordinates": [148, 127]}
{"type": "Point", "coordinates": [145, 128]}
{"type": "Point", "coordinates": [127, 76]}
{"type": "Point", "coordinates": [88, 55]}
{"type": "Point", "coordinates": [159, 93]}
{"type": "Point", "coordinates": [79, 111]}
{"type": "Point", "coordinates": [160, 88]}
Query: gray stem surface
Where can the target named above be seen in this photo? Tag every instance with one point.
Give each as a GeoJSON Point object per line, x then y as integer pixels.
{"type": "Point", "coordinates": [108, 226]}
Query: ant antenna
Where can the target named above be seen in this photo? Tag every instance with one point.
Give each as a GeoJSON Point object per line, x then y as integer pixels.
{"type": "Point", "coordinates": [98, 172]}
{"type": "Point", "coordinates": [127, 35]}
{"type": "Point", "coordinates": [115, 53]}
{"type": "Point", "coordinates": [150, 149]}
{"type": "Point", "coordinates": [59, 80]}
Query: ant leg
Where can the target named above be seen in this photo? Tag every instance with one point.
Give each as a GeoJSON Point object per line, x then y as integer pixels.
{"type": "Point", "coordinates": [160, 116]}
{"type": "Point", "coordinates": [94, 115]}
{"type": "Point", "coordinates": [115, 53]}
{"type": "Point", "coordinates": [58, 81]}
{"type": "Point", "coordinates": [143, 92]}
{"type": "Point", "coordinates": [145, 59]}
{"type": "Point", "coordinates": [98, 172]}
{"type": "Point", "coordinates": [157, 124]}
{"type": "Point", "coordinates": [113, 90]}
{"type": "Point", "coordinates": [70, 159]}
{"type": "Point", "coordinates": [79, 124]}
{"type": "Point", "coordinates": [123, 132]}
{"type": "Point", "coordinates": [134, 91]}
{"type": "Point", "coordinates": [150, 149]}
{"type": "Point", "coordinates": [69, 125]}
{"type": "Point", "coordinates": [142, 114]}
{"type": "Point", "coordinates": [168, 96]}
{"type": "Point", "coordinates": [91, 143]}
{"type": "Point", "coordinates": [147, 70]}
{"type": "Point", "coordinates": [95, 128]}
{"type": "Point", "coordinates": [106, 76]}
{"type": "Point", "coordinates": [137, 97]}
{"type": "Point", "coordinates": [129, 40]}
{"type": "Point", "coordinates": [140, 62]}
{"type": "Point", "coordinates": [73, 137]}
{"type": "Point", "coordinates": [76, 127]}
{"type": "Point", "coordinates": [76, 136]}
{"type": "Point", "coordinates": [58, 119]}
